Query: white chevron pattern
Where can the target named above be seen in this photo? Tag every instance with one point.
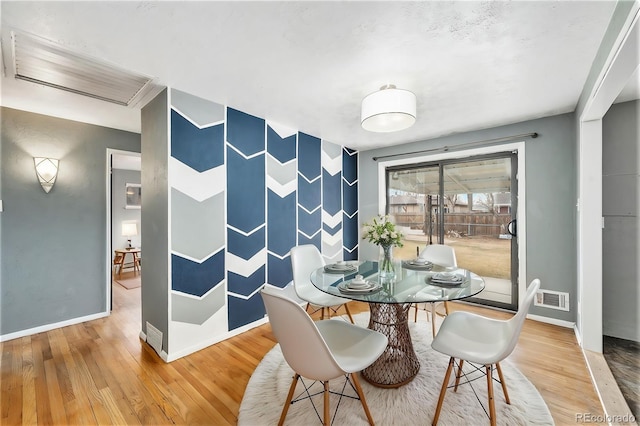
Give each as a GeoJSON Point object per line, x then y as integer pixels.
{"type": "Point", "coordinates": [244, 267]}
{"type": "Point", "coordinates": [282, 131]}
{"type": "Point", "coordinates": [281, 190]}
{"type": "Point", "coordinates": [333, 166]}
{"type": "Point", "coordinates": [310, 236]}
{"type": "Point", "coordinates": [331, 221]}
{"type": "Point", "coordinates": [278, 256]}
{"type": "Point", "coordinates": [196, 185]}
{"type": "Point", "coordinates": [246, 234]}
{"type": "Point", "coordinates": [281, 177]}
{"type": "Point", "coordinates": [193, 259]}
{"type": "Point", "coordinates": [332, 240]}
{"type": "Point", "coordinates": [240, 296]}
{"type": "Point", "coordinates": [353, 249]}
{"type": "Point", "coordinates": [246, 157]}
{"type": "Point", "coordinates": [309, 212]}
{"type": "Point", "coordinates": [190, 120]}
{"type": "Point", "coordinates": [350, 183]}
{"type": "Point", "coordinates": [310, 181]}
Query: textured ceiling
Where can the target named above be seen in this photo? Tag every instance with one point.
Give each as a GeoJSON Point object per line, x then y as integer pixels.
{"type": "Point", "coordinates": [308, 65]}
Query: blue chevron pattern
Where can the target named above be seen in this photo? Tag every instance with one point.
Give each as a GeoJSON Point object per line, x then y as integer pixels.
{"type": "Point", "coordinates": [309, 190]}
{"type": "Point", "coordinates": [196, 278]}
{"type": "Point", "coordinates": [280, 273]}
{"type": "Point", "coordinates": [350, 230]}
{"type": "Point", "coordinates": [200, 149]}
{"type": "Point", "coordinates": [243, 192]}
{"type": "Point", "coordinates": [197, 208]}
{"type": "Point", "coordinates": [246, 214]}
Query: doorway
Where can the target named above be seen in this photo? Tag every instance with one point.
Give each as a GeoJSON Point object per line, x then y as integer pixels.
{"type": "Point", "coordinates": [124, 207]}
{"type": "Point", "coordinates": [470, 204]}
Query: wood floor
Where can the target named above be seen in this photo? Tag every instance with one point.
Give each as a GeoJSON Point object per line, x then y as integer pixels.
{"type": "Point", "coordinates": [99, 372]}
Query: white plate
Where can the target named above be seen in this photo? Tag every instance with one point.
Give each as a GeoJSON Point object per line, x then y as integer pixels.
{"type": "Point", "coordinates": [338, 267]}
{"type": "Point", "coordinates": [373, 286]}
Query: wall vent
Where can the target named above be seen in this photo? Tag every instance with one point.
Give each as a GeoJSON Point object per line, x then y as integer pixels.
{"type": "Point", "coordinates": [154, 338]}
{"type": "Point", "coordinates": [552, 299]}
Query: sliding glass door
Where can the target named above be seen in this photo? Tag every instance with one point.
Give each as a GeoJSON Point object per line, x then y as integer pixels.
{"type": "Point", "coordinates": [469, 204]}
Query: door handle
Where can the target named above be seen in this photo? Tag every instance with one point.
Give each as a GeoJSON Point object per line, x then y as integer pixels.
{"type": "Point", "coordinates": [512, 228]}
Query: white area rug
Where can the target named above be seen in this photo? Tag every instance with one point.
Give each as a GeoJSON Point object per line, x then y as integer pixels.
{"type": "Point", "coordinates": [412, 404]}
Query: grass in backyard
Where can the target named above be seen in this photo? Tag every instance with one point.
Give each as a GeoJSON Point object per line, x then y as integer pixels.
{"type": "Point", "coordinates": [486, 256]}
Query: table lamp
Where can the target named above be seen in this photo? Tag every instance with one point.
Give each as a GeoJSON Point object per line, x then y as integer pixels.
{"type": "Point", "coordinates": [129, 230]}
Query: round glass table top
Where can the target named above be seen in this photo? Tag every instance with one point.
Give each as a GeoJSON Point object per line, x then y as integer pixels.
{"type": "Point", "coordinates": [410, 285]}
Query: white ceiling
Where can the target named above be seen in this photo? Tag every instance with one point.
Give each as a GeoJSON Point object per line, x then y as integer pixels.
{"type": "Point", "coordinates": [307, 65]}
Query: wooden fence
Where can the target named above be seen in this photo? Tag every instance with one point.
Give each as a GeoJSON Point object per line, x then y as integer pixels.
{"type": "Point", "coordinates": [463, 224]}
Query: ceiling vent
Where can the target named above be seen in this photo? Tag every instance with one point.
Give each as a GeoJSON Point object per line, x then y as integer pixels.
{"type": "Point", "coordinates": [44, 62]}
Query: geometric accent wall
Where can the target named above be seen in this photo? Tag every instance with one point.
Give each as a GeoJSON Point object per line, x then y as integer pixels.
{"type": "Point", "coordinates": [244, 191]}
{"type": "Point", "coordinates": [350, 203]}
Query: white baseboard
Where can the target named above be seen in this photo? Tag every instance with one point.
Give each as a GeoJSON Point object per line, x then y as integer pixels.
{"type": "Point", "coordinates": [53, 326]}
{"type": "Point", "coordinates": [547, 320]}
{"type": "Point", "coordinates": [206, 343]}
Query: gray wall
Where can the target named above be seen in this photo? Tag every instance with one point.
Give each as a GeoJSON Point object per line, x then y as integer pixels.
{"type": "Point", "coordinates": [620, 205]}
{"type": "Point", "coordinates": [118, 211]}
{"type": "Point", "coordinates": [550, 192]}
{"type": "Point", "coordinates": [155, 215]}
{"type": "Point", "coordinates": [53, 263]}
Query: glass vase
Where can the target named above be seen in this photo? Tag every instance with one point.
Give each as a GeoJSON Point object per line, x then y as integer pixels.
{"type": "Point", "coordinates": [386, 269]}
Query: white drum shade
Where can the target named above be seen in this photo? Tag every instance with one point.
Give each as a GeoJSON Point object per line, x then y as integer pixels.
{"type": "Point", "coordinates": [388, 110]}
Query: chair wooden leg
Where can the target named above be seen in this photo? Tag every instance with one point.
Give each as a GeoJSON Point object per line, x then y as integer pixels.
{"type": "Point", "coordinates": [415, 313]}
{"type": "Point", "coordinates": [285, 409]}
{"type": "Point", "coordinates": [433, 320]}
{"type": "Point", "coordinates": [346, 308]}
{"type": "Point", "coordinates": [356, 383]}
{"type": "Point", "coordinates": [504, 384]}
{"type": "Point", "coordinates": [443, 390]}
{"type": "Point", "coordinates": [446, 307]}
{"type": "Point", "coordinates": [458, 374]}
{"type": "Point", "coordinates": [492, 404]}
{"type": "Point", "coordinates": [327, 414]}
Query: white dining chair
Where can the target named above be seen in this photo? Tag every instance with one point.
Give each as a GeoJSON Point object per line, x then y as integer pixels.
{"type": "Point", "coordinates": [480, 341]}
{"type": "Point", "coordinates": [304, 260]}
{"type": "Point", "coordinates": [322, 350]}
{"type": "Point", "coordinates": [442, 255]}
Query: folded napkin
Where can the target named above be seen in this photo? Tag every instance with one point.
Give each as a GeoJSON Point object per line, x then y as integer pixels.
{"type": "Point", "coordinates": [450, 279]}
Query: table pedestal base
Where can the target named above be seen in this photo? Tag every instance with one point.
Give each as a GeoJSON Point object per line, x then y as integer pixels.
{"type": "Point", "coordinates": [398, 364]}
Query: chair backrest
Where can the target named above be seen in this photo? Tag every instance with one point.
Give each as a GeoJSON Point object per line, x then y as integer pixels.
{"type": "Point", "coordinates": [517, 321]}
{"type": "Point", "coordinates": [440, 255]}
{"type": "Point", "coordinates": [304, 260]}
{"type": "Point", "coordinates": [302, 345]}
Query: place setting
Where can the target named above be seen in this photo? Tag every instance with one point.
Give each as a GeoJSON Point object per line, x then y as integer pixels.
{"type": "Point", "coordinates": [359, 285]}
{"type": "Point", "coordinates": [341, 267]}
{"type": "Point", "coordinates": [446, 279]}
{"type": "Point", "coordinates": [418, 264]}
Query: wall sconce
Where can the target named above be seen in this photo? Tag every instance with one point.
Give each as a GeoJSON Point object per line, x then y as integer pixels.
{"type": "Point", "coordinates": [129, 230]}
{"type": "Point", "coordinates": [47, 171]}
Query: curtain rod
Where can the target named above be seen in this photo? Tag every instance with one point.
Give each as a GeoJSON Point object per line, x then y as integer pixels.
{"type": "Point", "coordinates": [463, 145]}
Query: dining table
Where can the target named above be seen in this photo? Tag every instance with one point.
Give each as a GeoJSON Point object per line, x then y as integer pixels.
{"type": "Point", "coordinates": [389, 299]}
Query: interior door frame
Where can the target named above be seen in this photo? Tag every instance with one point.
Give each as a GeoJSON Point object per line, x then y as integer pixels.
{"type": "Point", "coordinates": [514, 147]}
{"type": "Point", "coordinates": [108, 226]}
